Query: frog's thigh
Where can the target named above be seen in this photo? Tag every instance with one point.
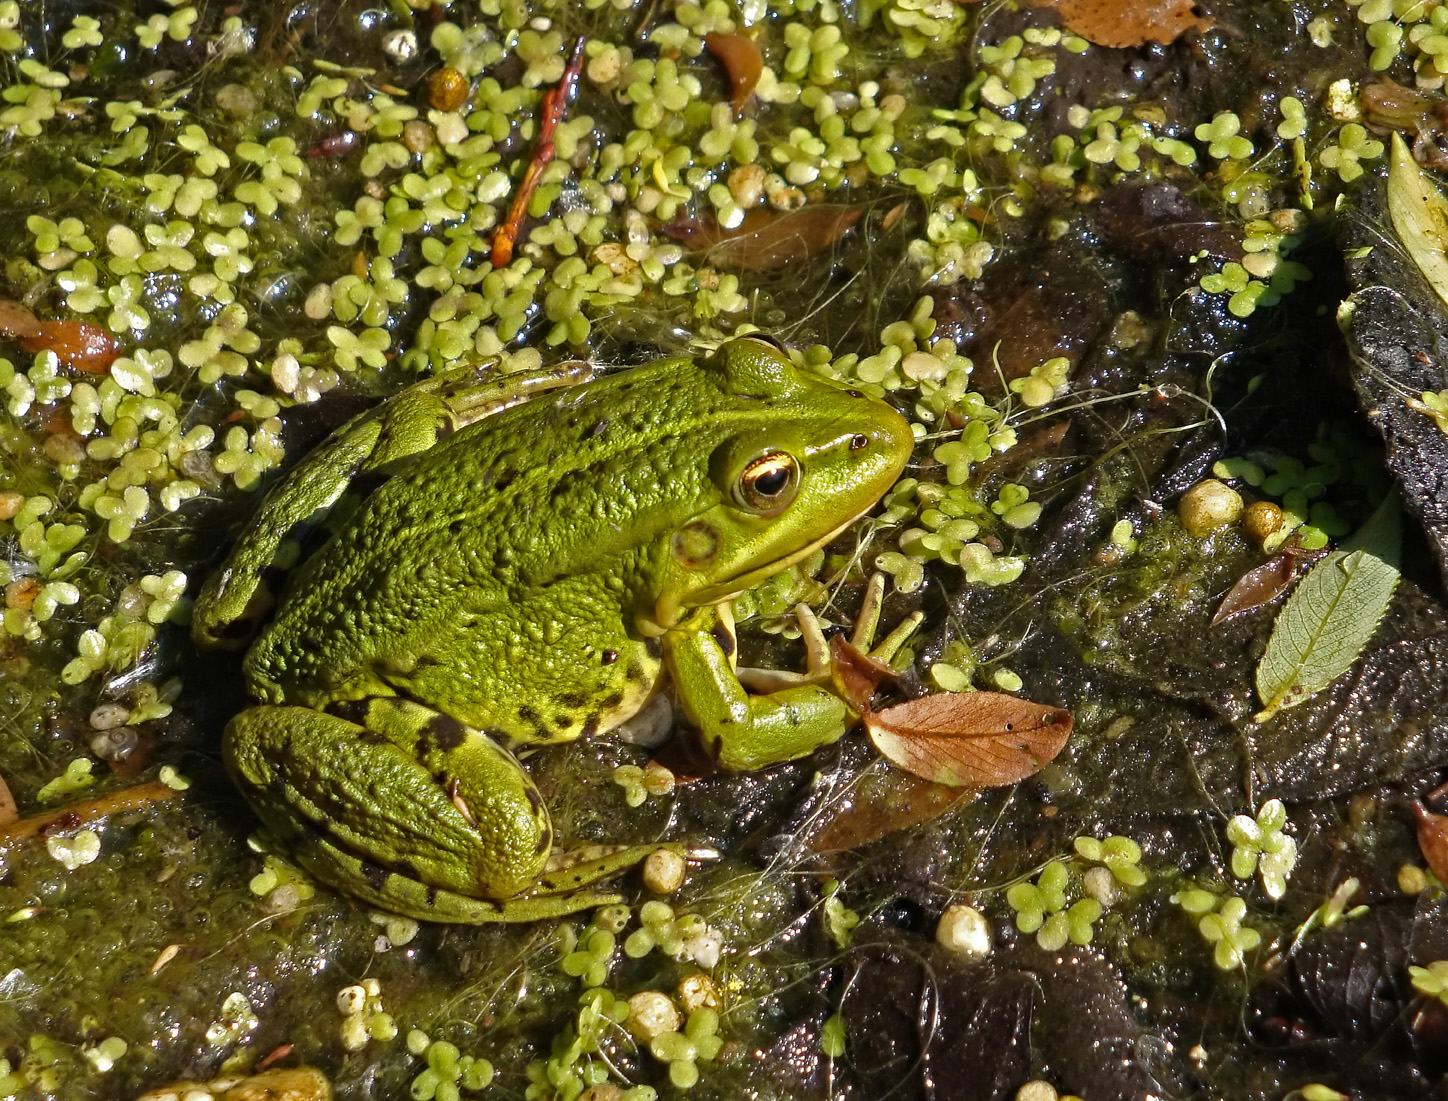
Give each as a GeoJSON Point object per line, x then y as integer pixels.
{"type": "Point", "coordinates": [366, 815]}
{"type": "Point", "coordinates": [743, 731]}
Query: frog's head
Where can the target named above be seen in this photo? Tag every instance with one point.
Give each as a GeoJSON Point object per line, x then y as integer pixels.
{"type": "Point", "coordinates": [798, 460]}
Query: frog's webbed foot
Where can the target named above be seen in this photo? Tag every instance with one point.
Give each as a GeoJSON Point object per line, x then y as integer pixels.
{"type": "Point", "coordinates": [818, 665]}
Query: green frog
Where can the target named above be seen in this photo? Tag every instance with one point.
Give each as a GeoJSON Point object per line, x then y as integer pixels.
{"type": "Point", "coordinates": [483, 564]}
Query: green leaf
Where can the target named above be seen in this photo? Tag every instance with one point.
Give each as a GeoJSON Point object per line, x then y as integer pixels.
{"type": "Point", "coordinates": [1331, 615]}
{"type": "Point", "coordinates": [1420, 216]}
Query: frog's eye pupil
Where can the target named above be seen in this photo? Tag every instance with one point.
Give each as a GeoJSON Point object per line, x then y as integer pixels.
{"type": "Point", "coordinates": [768, 483]}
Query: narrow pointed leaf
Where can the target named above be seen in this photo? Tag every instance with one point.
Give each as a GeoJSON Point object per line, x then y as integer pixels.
{"type": "Point", "coordinates": [970, 739]}
{"type": "Point", "coordinates": [1420, 216]}
{"type": "Point", "coordinates": [856, 675]}
{"type": "Point", "coordinates": [1331, 615]}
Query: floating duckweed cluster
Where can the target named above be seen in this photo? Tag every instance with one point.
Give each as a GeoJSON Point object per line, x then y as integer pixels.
{"type": "Point", "coordinates": [1219, 920]}
{"type": "Point", "coordinates": [1260, 846]}
{"type": "Point", "coordinates": [1300, 489]}
{"type": "Point", "coordinates": [1101, 871]}
{"type": "Point", "coordinates": [1041, 908]}
{"type": "Point", "coordinates": [280, 885]}
{"type": "Point", "coordinates": [639, 783]}
{"type": "Point", "coordinates": [1431, 981]}
{"type": "Point", "coordinates": [363, 1018]}
{"type": "Point", "coordinates": [679, 1031]}
{"type": "Point", "coordinates": [448, 1070]}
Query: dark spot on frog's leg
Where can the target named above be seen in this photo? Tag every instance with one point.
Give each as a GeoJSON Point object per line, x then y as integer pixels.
{"type": "Point", "coordinates": [635, 671]}
{"type": "Point", "coordinates": [375, 874]}
{"type": "Point", "coordinates": [653, 647]}
{"type": "Point", "coordinates": [409, 869]}
{"type": "Point", "coordinates": [721, 634]}
{"type": "Point", "coordinates": [353, 711]}
{"type": "Point", "coordinates": [608, 657]}
{"type": "Point", "coordinates": [610, 702]}
{"type": "Point", "coordinates": [545, 840]}
{"type": "Point", "coordinates": [562, 722]}
{"type": "Point", "coordinates": [536, 802]}
{"type": "Point", "coordinates": [446, 731]}
{"type": "Point", "coordinates": [589, 728]}
{"type": "Point", "coordinates": [371, 737]}
{"type": "Point", "coordinates": [571, 700]}
{"type": "Point", "coordinates": [527, 715]}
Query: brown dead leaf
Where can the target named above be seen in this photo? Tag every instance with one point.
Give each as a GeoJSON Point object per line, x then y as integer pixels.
{"type": "Point", "coordinates": [898, 801]}
{"type": "Point", "coordinates": [767, 239]}
{"type": "Point", "coordinates": [79, 344]}
{"type": "Point", "coordinates": [1267, 582]}
{"type": "Point", "coordinates": [16, 320]}
{"type": "Point", "coordinates": [1120, 23]}
{"type": "Point", "coordinates": [970, 739]}
{"type": "Point", "coordinates": [856, 675]}
{"type": "Point", "coordinates": [1433, 840]}
{"type": "Point", "coordinates": [1258, 587]}
{"type": "Point", "coordinates": [741, 60]}
{"type": "Point", "coordinates": [8, 810]}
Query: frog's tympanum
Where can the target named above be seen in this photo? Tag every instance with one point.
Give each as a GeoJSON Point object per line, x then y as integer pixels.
{"type": "Point", "coordinates": [498, 565]}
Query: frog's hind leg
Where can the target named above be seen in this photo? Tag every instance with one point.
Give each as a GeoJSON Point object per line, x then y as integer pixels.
{"type": "Point", "coordinates": [408, 810]}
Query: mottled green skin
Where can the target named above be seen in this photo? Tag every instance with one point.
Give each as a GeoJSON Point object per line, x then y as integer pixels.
{"type": "Point", "coordinates": [527, 580]}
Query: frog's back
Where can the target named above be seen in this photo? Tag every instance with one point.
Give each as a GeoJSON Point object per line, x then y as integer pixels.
{"type": "Point", "coordinates": [503, 562]}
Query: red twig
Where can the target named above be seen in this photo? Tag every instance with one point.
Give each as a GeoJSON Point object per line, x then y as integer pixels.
{"type": "Point", "coordinates": [555, 105]}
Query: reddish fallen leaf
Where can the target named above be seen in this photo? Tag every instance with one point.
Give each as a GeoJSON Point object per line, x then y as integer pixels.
{"type": "Point", "coordinates": [78, 344]}
{"type": "Point", "coordinates": [1258, 587]}
{"type": "Point", "coordinates": [856, 675]}
{"type": "Point", "coordinates": [17, 321]}
{"type": "Point", "coordinates": [741, 60]}
{"type": "Point", "coordinates": [1120, 23]}
{"type": "Point", "coordinates": [1433, 840]}
{"type": "Point", "coordinates": [767, 239]}
{"type": "Point", "coordinates": [1261, 586]}
{"type": "Point", "coordinates": [970, 739]}
{"type": "Point", "coordinates": [897, 802]}
{"type": "Point", "coordinates": [8, 810]}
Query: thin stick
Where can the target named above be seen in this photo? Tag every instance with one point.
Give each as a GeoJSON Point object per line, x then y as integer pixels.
{"type": "Point", "coordinates": [555, 105]}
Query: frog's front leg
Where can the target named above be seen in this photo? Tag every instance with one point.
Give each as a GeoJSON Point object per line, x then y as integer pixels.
{"type": "Point", "coordinates": [235, 598]}
{"type": "Point", "coordinates": [743, 732]}
{"type": "Point", "coordinates": [412, 811]}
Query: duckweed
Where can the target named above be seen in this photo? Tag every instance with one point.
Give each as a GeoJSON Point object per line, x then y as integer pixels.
{"type": "Point", "coordinates": [1260, 846]}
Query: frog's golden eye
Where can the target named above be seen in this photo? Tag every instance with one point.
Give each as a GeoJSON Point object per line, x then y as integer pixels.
{"type": "Point", "coordinates": [767, 484]}
{"type": "Point", "coordinates": [765, 338]}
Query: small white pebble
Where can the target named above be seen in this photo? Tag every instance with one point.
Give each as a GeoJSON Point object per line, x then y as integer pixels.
{"type": "Point", "coordinates": [651, 1013]}
{"type": "Point", "coordinates": [964, 930]}
{"type": "Point", "coordinates": [664, 871]}
{"type": "Point", "coordinates": [1037, 1091]}
{"type": "Point", "coordinates": [400, 45]}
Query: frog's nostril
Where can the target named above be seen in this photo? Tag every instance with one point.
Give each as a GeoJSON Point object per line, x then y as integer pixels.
{"type": "Point", "coordinates": [859, 441]}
